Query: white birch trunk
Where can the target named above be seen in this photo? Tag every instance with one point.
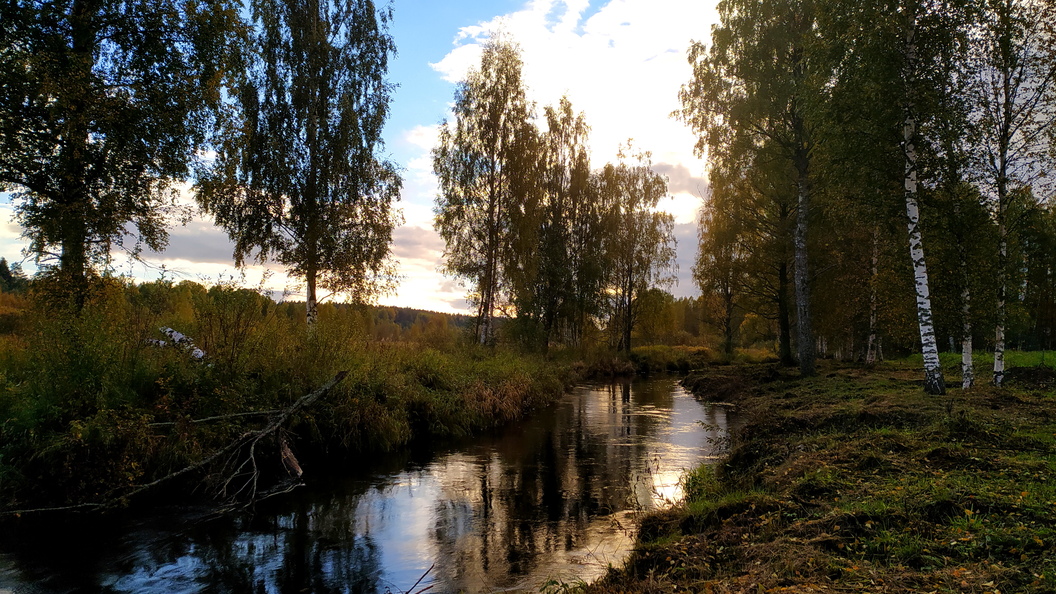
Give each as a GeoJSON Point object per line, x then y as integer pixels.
{"type": "Point", "coordinates": [999, 331]}
{"type": "Point", "coordinates": [967, 367]}
{"type": "Point", "coordinates": [933, 380]}
{"type": "Point", "coordinates": [311, 303]}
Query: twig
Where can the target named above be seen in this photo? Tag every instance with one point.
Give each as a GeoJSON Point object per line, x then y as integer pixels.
{"type": "Point", "coordinates": [427, 571]}
{"type": "Point", "coordinates": [255, 413]}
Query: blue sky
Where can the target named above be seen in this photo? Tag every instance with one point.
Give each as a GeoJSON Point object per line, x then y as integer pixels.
{"type": "Point", "coordinates": [621, 62]}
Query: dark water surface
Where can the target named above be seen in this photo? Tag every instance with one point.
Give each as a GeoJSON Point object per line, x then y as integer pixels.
{"type": "Point", "coordinates": [552, 498]}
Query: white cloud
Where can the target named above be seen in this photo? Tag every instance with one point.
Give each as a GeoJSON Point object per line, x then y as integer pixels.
{"type": "Point", "coordinates": [418, 215]}
{"type": "Point", "coordinates": [684, 207]}
{"type": "Point", "coordinates": [423, 137]}
{"type": "Point", "coordinates": [622, 66]}
{"type": "Point", "coordinates": [454, 66]}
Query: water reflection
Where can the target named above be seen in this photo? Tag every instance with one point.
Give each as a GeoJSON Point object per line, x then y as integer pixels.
{"type": "Point", "coordinates": [552, 498]}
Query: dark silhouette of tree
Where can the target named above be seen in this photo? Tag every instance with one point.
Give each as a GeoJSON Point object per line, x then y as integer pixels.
{"type": "Point", "coordinates": [763, 78]}
{"type": "Point", "coordinates": [103, 105]}
{"type": "Point", "coordinates": [299, 178]}
{"type": "Point", "coordinates": [12, 279]}
{"type": "Point", "coordinates": [639, 241]}
{"type": "Point", "coordinates": [486, 163]}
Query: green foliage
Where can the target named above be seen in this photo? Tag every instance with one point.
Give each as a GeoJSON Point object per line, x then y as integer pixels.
{"type": "Point", "coordinates": [476, 208]}
{"type": "Point", "coordinates": [639, 243]}
{"type": "Point", "coordinates": [661, 358]}
{"type": "Point", "coordinates": [887, 104]}
{"type": "Point", "coordinates": [298, 177]}
{"type": "Point", "coordinates": [528, 225]}
{"type": "Point", "coordinates": [12, 279]}
{"type": "Point", "coordinates": [104, 107]}
{"type": "Point", "coordinates": [90, 406]}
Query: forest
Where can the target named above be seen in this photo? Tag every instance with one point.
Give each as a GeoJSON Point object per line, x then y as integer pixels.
{"type": "Point", "coordinates": [880, 189]}
{"type": "Point", "coordinates": [838, 138]}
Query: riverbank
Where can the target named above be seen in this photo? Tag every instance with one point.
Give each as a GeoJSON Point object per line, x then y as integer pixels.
{"type": "Point", "coordinates": [858, 481]}
{"type": "Point", "coordinates": [103, 408]}
{"type": "Point", "coordinates": [551, 497]}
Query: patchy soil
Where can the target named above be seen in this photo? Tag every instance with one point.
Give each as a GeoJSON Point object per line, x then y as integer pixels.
{"type": "Point", "coordinates": [857, 481]}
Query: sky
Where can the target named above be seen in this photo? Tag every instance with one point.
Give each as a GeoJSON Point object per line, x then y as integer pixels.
{"type": "Point", "coordinates": [620, 62]}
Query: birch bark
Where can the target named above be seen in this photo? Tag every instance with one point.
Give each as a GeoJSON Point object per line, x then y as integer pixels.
{"type": "Point", "coordinates": [933, 380]}
{"type": "Point", "coordinates": [967, 367]}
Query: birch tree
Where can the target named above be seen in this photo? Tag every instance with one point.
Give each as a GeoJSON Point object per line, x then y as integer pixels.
{"type": "Point", "coordinates": [896, 50]}
{"type": "Point", "coordinates": [299, 177]}
{"type": "Point", "coordinates": [103, 106]}
{"type": "Point", "coordinates": [720, 269]}
{"type": "Point", "coordinates": [640, 245]}
{"type": "Point", "coordinates": [763, 77]}
{"type": "Point", "coordinates": [1014, 110]}
{"type": "Point", "coordinates": [566, 205]}
{"type": "Point", "coordinates": [910, 73]}
{"type": "Point", "coordinates": [486, 165]}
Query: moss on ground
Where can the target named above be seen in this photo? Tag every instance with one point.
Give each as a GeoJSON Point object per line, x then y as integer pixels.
{"type": "Point", "coordinates": [857, 481]}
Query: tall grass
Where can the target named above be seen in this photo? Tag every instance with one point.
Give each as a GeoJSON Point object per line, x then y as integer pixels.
{"type": "Point", "coordinates": [90, 404]}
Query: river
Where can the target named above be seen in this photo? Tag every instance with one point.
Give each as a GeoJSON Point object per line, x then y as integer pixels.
{"type": "Point", "coordinates": [553, 498]}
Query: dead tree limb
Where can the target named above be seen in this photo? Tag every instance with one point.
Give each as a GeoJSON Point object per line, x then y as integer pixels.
{"type": "Point", "coordinates": [255, 413]}
{"type": "Point", "coordinates": [249, 438]}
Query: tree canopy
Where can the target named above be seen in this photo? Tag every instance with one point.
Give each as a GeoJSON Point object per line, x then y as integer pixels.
{"type": "Point", "coordinates": [299, 177]}
{"type": "Point", "coordinates": [921, 112]}
{"type": "Point", "coordinates": [103, 107]}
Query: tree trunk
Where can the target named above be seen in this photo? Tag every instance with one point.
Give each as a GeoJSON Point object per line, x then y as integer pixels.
{"type": "Point", "coordinates": [872, 350]}
{"type": "Point", "coordinates": [490, 281]}
{"type": "Point", "coordinates": [628, 322]}
{"type": "Point", "coordinates": [933, 380]}
{"type": "Point", "coordinates": [784, 323]}
{"type": "Point", "coordinates": [967, 367]}
{"type": "Point", "coordinates": [311, 304]}
{"type": "Point", "coordinates": [999, 331]}
{"type": "Point", "coordinates": [1002, 249]}
{"type": "Point", "coordinates": [73, 262]}
{"type": "Point", "coordinates": [804, 327]}
{"type": "Point", "coordinates": [727, 323]}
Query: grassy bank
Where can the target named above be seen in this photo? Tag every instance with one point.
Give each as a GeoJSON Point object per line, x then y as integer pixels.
{"type": "Point", "coordinates": [92, 407]}
{"type": "Point", "coordinates": [857, 481]}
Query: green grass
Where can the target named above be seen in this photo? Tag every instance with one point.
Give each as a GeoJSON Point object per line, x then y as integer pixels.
{"type": "Point", "coordinates": [983, 361]}
{"type": "Point", "coordinates": [856, 480]}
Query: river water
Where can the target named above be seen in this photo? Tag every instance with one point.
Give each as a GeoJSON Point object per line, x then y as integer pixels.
{"type": "Point", "coordinates": [554, 498]}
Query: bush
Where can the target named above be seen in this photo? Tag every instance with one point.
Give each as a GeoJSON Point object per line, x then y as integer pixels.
{"type": "Point", "coordinates": [91, 405]}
